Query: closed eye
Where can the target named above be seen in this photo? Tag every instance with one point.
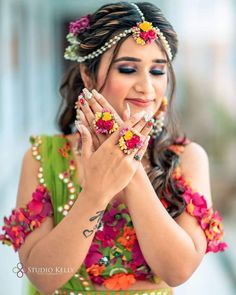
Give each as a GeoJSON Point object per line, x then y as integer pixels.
{"type": "Point", "coordinates": [128, 70]}
{"type": "Point", "coordinates": [157, 72]}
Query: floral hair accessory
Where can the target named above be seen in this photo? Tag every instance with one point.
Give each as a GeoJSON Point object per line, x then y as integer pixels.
{"type": "Point", "coordinates": [105, 122]}
{"type": "Point", "coordinates": [80, 25]}
{"type": "Point", "coordinates": [143, 33]}
{"type": "Point", "coordinates": [25, 220]}
{"type": "Point", "coordinates": [129, 140]}
{"type": "Point", "coordinates": [75, 28]}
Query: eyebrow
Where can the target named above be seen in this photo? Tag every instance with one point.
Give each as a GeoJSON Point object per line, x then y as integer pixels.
{"type": "Point", "coordinates": [128, 58]}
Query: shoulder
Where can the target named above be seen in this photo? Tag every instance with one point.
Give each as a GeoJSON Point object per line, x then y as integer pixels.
{"type": "Point", "coordinates": [193, 154]}
{"type": "Point", "coordinates": [194, 166]}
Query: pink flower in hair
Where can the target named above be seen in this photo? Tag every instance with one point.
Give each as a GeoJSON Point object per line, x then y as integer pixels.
{"type": "Point", "coordinates": [80, 25]}
{"type": "Point", "coordinates": [148, 36]}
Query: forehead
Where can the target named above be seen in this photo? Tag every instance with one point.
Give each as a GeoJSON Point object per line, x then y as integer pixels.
{"type": "Point", "coordinates": [146, 52]}
{"type": "Point", "coordinates": [130, 48]}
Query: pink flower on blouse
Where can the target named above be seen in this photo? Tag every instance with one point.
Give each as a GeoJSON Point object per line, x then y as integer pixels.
{"type": "Point", "coordinates": [93, 256]}
{"type": "Point", "coordinates": [106, 236]}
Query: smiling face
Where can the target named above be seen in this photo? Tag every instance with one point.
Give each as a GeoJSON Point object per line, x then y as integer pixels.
{"type": "Point", "coordinates": [138, 76]}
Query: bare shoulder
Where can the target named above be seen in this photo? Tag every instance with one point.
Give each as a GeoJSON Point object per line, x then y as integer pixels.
{"type": "Point", "coordinates": [194, 165]}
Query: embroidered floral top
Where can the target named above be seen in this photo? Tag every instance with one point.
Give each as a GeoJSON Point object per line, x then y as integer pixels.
{"type": "Point", "coordinates": [114, 259]}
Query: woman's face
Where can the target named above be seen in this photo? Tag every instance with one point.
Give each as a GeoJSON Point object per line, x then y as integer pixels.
{"type": "Point", "coordinates": [138, 76]}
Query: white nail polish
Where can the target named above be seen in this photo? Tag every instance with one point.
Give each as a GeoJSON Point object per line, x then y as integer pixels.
{"type": "Point", "coordinates": [95, 93]}
{"type": "Point", "coordinates": [87, 93]}
{"type": "Point", "coordinates": [77, 125]}
{"type": "Point", "coordinates": [148, 116]}
{"type": "Point", "coordinates": [128, 110]}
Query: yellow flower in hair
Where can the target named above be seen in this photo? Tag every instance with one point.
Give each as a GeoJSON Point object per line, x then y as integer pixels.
{"type": "Point", "coordinates": [140, 41]}
{"type": "Point", "coordinates": [106, 116]}
{"type": "Point", "coordinates": [145, 26]}
{"type": "Point", "coordinates": [128, 135]}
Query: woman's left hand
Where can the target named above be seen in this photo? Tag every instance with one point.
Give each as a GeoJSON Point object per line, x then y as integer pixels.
{"type": "Point", "coordinates": [96, 102]}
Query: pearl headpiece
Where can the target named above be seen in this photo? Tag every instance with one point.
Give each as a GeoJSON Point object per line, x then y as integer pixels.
{"type": "Point", "coordinates": [143, 33]}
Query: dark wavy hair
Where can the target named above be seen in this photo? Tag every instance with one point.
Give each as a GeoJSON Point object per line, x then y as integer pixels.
{"type": "Point", "coordinates": [105, 23]}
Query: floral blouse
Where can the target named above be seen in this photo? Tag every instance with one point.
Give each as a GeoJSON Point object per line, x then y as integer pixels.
{"type": "Point", "coordinates": [114, 259]}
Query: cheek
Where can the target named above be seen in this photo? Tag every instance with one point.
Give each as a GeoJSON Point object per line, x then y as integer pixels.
{"type": "Point", "coordinates": [115, 89]}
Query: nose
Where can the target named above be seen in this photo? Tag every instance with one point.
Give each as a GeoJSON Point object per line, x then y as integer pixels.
{"type": "Point", "coordinates": [144, 84]}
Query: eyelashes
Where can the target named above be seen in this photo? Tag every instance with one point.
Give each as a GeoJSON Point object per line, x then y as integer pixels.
{"type": "Point", "coordinates": [128, 71]}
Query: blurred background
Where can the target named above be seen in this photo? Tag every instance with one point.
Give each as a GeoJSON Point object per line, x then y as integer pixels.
{"type": "Point", "coordinates": [32, 42]}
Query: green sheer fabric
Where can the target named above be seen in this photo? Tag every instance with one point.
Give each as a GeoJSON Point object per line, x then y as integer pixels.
{"type": "Point", "coordinates": [54, 163]}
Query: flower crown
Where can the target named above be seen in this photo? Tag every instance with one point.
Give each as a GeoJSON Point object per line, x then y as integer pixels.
{"type": "Point", "coordinates": [143, 33]}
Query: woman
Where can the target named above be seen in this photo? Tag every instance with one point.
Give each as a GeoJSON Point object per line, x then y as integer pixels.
{"type": "Point", "coordinates": [122, 203]}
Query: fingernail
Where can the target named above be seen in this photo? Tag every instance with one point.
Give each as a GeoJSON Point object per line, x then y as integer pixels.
{"type": "Point", "coordinates": [148, 116]}
{"type": "Point", "coordinates": [82, 100]}
{"type": "Point", "coordinates": [78, 126]}
{"type": "Point", "coordinates": [95, 93]}
{"type": "Point", "coordinates": [128, 110]}
{"type": "Point", "coordinates": [87, 93]}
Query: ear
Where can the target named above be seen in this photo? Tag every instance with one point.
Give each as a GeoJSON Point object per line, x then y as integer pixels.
{"type": "Point", "coordinates": [85, 76]}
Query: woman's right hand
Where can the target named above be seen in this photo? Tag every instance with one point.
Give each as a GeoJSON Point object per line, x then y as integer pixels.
{"type": "Point", "coordinates": [108, 170]}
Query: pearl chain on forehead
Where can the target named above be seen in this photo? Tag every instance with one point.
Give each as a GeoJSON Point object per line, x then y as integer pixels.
{"type": "Point", "coordinates": [143, 33]}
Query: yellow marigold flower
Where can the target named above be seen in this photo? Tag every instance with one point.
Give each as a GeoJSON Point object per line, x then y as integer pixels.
{"type": "Point", "coordinates": [140, 41]}
{"type": "Point", "coordinates": [128, 135]}
{"type": "Point", "coordinates": [145, 26]}
{"type": "Point", "coordinates": [106, 116]}
{"type": "Point", "coordinates": [165, 101]}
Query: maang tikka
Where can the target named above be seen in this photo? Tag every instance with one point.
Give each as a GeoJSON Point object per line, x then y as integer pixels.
{"type": "Point", "coordinates": [158, 120]}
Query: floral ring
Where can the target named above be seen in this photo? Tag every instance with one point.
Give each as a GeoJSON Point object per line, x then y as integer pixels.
{"type": "Point", "coordinates": [130, 140]}
{"type": "Point", "coordinates": [105, 122]}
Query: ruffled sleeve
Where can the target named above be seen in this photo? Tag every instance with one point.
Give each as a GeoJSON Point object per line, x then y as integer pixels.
{"type": "Point", "coordinates": [25, 220]}
{"type": "Point", "coordinates": [209, 220]}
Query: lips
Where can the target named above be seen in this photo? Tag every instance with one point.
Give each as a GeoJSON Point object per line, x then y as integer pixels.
{"type": "Point", "coordinates": [140, 102]}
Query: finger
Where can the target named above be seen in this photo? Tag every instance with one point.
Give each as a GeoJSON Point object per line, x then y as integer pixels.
{"type": "Point", "coordinates": [94, 105]}
{"type": "Point", "coordinates": [138, 154]}
{"type": "Point", "coordinates": [128, 124]}
{"type": "Point", "coordinates": [126, 113]}
{"type": "Point", "coordinates": [145, 122]}
{"type": "Point", "coordinates": [84, 106]}
{"type": "Point", "coordinates": [83, 119]}
{"type": "Point", "coordinates": [105, 104]}
{"type": "Point", "coordinates": [86, 150]}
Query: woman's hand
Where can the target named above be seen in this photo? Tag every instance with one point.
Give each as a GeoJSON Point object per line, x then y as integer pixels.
{"type": "Point", "coordinates": [108, 170]}
{"type": "Point", "coordinates": [95, 102]}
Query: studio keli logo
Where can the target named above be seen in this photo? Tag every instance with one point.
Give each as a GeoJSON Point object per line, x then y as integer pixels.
{"type": "Point", "coordinates": [20, 270]}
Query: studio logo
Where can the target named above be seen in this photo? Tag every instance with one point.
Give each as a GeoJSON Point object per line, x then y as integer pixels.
{"type": "Point", "coordinates": [19, 270]}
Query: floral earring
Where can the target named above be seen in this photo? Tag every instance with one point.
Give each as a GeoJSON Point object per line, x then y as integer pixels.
{"type": "Point", "coordinates": [158, 119]}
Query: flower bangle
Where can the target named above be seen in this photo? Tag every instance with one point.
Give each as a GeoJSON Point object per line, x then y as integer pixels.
{"type": "Point", "coordinates": [105, 122]}
{"type": "Point", "coordinates": [129, 140]}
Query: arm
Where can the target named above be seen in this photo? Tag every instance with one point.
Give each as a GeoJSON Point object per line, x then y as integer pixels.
{"type": "Point", "coordinates": [172, 248]}
{"type": "Point", "coordinates": [60, 246]}
{"type": "Point", "coordinates": [66, 245]}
